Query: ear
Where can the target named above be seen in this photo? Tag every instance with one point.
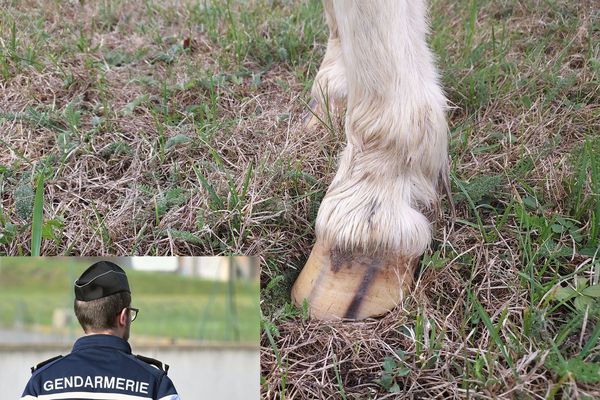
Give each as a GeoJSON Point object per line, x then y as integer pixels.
{"type": "Point", "coordinates": [123, 315]}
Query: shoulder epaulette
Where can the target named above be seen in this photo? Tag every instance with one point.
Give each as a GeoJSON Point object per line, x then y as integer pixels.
{"type": "Point", "coordinates": [40, 365]}
{"type": "Point", "coordinates": [158, 364]}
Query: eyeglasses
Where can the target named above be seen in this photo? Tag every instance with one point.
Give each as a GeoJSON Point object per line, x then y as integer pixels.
{"type": "Point", "coordinates": [133, 312]}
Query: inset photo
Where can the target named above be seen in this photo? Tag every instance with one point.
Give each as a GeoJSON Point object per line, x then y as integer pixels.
{"type": "Point", "coordinates": [165, 328]}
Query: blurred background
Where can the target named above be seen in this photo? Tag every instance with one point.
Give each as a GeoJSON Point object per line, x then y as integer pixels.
{"type": "Point", "coordinates": [200, 315]}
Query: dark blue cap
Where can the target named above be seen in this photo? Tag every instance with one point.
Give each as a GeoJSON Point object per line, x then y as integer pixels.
{"type": "Point", "coordinates": [100, 280]}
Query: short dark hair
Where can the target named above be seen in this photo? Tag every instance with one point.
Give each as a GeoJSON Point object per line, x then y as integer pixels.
{"type": "Point", "coordinates": [101, 314]}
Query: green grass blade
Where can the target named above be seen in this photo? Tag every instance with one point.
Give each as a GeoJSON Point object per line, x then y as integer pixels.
{"type": "Point", "coordinates": [13, 39]}
{"type": "Point", "coordinates": [38, 217]}
{"type": "Point", "coordinates": [279, 361]}
{"type": "Point", "coordinates": [101, 227]}
{"type": "Point", "coordinates": [338, 378]}
{"type": "Point", "coordinates": [493, 332]}
{"type": "Point", "coordinates": [470, 26]}
{"type": "Point", "coordinates": [216, 200]}
{"type": "Point", "coordinates": [247, 179]}
{"type": "Point", "coordinates": [591, 342]}
{"type": "Point", "coordinates": [595, 186]}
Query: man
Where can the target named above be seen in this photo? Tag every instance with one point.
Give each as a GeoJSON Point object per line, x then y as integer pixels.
{"type": "Point", "coordinates": [101, 365]}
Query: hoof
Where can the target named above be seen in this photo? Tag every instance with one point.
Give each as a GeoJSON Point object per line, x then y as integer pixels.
{"type": "Point", "coordinates": [352, 286]}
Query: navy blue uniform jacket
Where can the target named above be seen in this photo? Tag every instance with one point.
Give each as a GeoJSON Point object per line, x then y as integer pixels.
{"type": "Point", "coordinates": [100, 367]}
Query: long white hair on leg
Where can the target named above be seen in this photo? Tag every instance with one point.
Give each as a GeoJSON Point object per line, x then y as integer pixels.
{"type": "Point", "coordinates": [395, 127]}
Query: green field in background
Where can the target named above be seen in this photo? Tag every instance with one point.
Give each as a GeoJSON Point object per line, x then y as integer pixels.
{"type": "Point", "coordinates": [170, 305]}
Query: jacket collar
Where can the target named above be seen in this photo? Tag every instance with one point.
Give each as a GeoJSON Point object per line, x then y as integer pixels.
{"type": "Point", "coordinates": [102, 340]}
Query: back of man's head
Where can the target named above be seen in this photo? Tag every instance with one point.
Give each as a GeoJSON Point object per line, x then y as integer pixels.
{"type": "Point", "coordinates": [101, 314]}
{"type": "Point", "coordinates": [101, 293]}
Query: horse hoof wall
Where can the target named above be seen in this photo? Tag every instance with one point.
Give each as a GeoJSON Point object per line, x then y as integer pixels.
{"type": "Point", "coordinates": [340, 284]}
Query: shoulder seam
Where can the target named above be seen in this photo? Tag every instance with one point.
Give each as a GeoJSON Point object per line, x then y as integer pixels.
{"type": "Point", "coordinates": [46, 362]}
{"type": "Point", "coordinates": [154, 362]}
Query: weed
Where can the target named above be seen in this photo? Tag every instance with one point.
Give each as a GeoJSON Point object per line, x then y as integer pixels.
{"type": "Point", "coordinates": [393, 370]}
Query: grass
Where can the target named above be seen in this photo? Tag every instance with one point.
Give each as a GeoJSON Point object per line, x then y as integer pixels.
{"type": "Point", "coordinates": [170, 306]}
{"type": "Point", "coordinates": [150, 118]}
{"type": "Point", "coordinates": [38, 214]}
{"type": "Point", "coordinates": [175, 128]}
{"type": "Point", "coordinates": [499, 310]}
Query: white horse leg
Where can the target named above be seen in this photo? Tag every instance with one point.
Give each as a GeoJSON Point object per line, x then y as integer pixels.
{"type": "Point", "coordinates": [371, 230]}
{"type": "Point", "coordinates": [329, 91]}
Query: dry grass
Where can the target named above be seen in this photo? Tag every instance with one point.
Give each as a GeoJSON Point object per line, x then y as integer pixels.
{"type": "Point", "coordinates": [515, 129]}
{"type": "Point", "coordinates": [169, 128]}
{"type": "Point", "coordinates": [124, 180]}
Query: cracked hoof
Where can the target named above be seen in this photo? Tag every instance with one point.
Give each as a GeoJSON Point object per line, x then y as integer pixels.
{"type": "Point", "coordinates": [352, 286]}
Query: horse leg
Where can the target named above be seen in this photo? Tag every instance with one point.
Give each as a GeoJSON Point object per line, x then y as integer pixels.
{"type": "Point", "coordinates": [329, 91]}
{"type": "Point", "coordinates": [371, 228]}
